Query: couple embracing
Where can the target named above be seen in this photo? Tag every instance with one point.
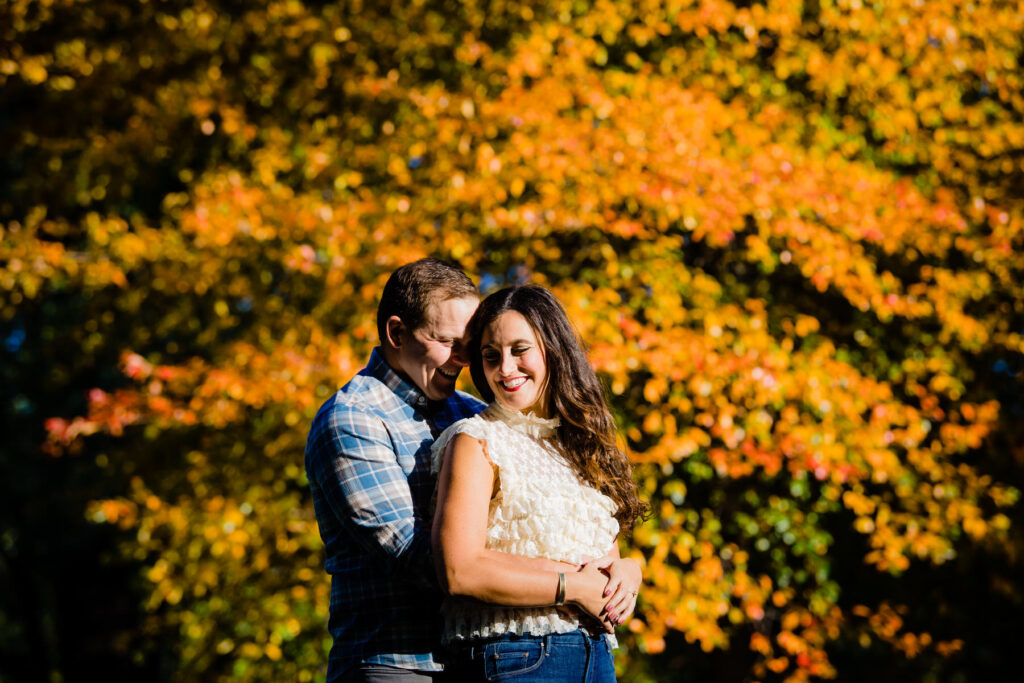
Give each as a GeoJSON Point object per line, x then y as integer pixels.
{"type": "Point", "coordinates": [502, 518]}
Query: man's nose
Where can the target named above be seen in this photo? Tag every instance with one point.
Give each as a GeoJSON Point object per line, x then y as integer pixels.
{"type": "Point", "coordinates": [459, 356]}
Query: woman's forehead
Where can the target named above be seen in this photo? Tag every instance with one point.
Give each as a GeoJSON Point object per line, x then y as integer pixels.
{"type": "Point", "coordinates": [508, 328]}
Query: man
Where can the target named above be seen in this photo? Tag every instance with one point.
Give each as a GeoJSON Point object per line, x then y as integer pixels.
{"type": "Point", "coordinates": [368, 463]}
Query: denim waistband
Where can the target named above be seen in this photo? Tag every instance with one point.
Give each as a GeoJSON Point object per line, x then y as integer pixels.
{"type": "Point", "coordinates": [470, 648]}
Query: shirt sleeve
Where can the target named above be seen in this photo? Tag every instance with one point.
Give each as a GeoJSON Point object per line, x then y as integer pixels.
{"type": "Point", "coordinates": [353, 462]}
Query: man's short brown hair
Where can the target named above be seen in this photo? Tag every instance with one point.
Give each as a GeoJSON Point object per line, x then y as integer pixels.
{"type": "Point", "coordinates": [417, 285]}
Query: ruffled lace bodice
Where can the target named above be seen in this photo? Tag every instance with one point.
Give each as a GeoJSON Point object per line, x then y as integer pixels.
{"type": "Point", "coordinates": [541, 509]}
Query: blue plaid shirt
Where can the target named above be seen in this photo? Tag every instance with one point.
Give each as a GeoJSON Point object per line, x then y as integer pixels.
{"type": "Point", "coordinates": [368, 463]}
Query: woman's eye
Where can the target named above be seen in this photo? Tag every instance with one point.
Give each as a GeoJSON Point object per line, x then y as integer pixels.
{"type": "Point", "coordinates": [520, 350]}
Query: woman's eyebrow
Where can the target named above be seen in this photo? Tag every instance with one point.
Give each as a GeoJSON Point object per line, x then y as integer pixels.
{"type": "Point", "coordinates": [514, 342]}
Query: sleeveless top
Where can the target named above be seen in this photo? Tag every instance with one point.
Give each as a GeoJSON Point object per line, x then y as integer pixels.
{"type": "Point", "coordinates": [542, 509]}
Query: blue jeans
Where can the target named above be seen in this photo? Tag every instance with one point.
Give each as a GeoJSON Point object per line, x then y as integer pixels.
{"type": "Point", "coordinates": [381, 673]}
{"type": "Point", "coordinates": [574, 657]}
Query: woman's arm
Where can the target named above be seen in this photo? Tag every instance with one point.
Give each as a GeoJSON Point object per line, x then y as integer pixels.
{"type": "Point", "coordinates": [466, 567]}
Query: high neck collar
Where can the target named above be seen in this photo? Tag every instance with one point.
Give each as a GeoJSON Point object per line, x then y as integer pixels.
{"type": "Point", "coordinates": [528, 423]}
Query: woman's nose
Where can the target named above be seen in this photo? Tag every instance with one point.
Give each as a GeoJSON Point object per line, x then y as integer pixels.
{"type": "Point", "coordinates": [508, 364]}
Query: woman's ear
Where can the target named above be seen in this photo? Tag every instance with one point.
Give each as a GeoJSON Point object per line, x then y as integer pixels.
{"type": "Point", "coordinates": [394, 329]}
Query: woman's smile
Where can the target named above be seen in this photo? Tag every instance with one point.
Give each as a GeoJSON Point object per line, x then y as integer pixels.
{"type": "Point", "coordinates": [513, 384]}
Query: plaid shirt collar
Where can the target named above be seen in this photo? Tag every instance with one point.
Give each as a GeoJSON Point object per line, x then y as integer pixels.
{"type": "Point", "coordinates": [409, 393]}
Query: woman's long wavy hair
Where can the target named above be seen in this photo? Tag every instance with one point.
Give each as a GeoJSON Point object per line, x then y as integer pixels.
{"type": "Point", "coordinates": [586, 436]}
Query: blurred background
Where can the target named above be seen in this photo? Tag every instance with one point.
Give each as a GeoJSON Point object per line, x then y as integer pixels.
{"type": "Point", "coordinates": [791, 232]}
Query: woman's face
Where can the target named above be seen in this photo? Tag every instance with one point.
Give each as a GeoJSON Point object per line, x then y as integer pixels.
{"type": "Point", "coordinates": [513, 363]}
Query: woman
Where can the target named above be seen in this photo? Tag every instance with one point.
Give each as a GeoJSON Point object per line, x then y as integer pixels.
{"type": "Point", "coordinates": [537, 474]}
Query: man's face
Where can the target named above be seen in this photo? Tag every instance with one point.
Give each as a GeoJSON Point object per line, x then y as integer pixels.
{"type": "Point", "coordinates": [433, 355]}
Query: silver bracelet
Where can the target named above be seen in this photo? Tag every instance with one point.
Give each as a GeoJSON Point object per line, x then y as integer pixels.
{"type": "Point", "coordinates": [560, 596]}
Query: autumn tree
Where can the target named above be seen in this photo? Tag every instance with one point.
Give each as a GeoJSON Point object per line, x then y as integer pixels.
{"type": "Point", "coordinates": [791, 234]}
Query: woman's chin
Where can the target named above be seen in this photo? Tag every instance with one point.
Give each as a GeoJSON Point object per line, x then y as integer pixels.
{"type": "Point", "coordinates": [518, 406]}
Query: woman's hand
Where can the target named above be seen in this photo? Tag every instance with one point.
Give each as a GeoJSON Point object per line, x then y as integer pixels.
{"type": "Point", "coordinates": [585, 589]}
{"type": "Point", "coordinates": [624, 580]}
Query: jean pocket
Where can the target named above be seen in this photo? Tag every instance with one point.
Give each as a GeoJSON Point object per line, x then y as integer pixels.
{"type": "Point", "coordinates": [505, 659]}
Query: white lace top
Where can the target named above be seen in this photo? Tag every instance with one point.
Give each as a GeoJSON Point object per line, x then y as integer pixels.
{"type": "Point", "coordinates": [541, 509]}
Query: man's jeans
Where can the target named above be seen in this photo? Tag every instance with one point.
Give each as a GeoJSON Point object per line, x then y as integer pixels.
{"type": "Point", "coordinates": [574, 657]}
{"type": "Point", "coordinates": [380, 673]}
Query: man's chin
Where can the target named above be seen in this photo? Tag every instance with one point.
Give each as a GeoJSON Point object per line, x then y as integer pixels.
{"type": "Point", "coordinates": [442, 387]}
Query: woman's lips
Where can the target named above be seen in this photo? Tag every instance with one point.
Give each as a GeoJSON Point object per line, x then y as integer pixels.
{"type": "Point", "coordinates": [513, 384]}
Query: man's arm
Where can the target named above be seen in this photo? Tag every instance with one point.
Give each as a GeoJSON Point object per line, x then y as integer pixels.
{"type": "Point", "coordinates": [354, 463]}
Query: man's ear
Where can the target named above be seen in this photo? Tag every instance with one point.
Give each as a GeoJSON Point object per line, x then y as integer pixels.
{"type": "Point", "coordinates": [394, 329]}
